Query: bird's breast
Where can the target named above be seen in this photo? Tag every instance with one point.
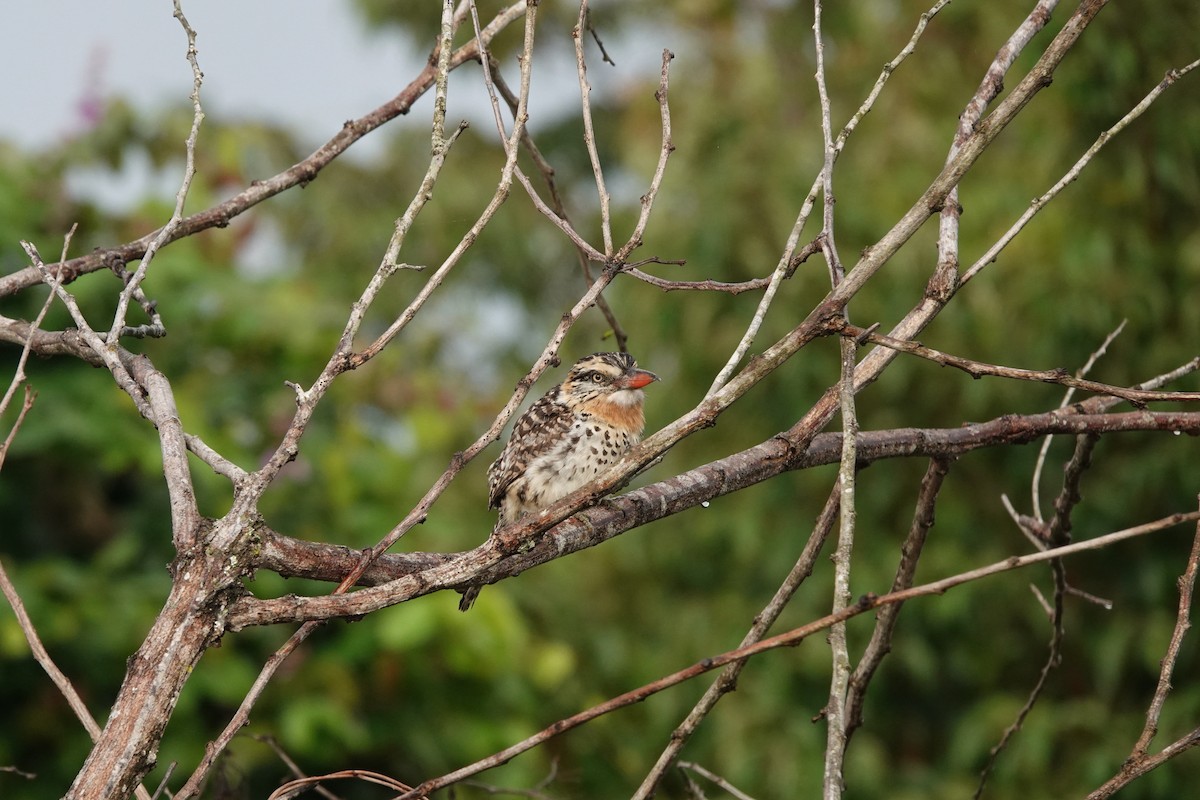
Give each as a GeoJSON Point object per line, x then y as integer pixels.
{"type": "Point", "coordinates": [622, 414]}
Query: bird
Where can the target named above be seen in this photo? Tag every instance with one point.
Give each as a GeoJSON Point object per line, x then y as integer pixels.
{"type": "Point", "coordinates": [567, 439]}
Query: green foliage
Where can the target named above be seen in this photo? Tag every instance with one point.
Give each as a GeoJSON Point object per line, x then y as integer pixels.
{"type": "Point", "coordinates": [418, 690]}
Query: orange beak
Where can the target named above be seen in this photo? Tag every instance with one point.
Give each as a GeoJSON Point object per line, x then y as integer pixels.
{"type": "Point", "coordinates": [636, 379]}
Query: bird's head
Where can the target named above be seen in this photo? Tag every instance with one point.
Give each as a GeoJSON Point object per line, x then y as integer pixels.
{"type": "Point", "coordinates": [606, 378]}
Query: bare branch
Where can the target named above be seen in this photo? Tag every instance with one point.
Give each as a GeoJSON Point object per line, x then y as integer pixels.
{"type": "Point", "coordinates": [833, 782]}
{"type": "Point", "coordinates": [584, 253]}
{"type": "Point", "coordinates": [725, 785]}
{"type": "Point", "coordinates": [1036, 482]}
{"type": "Point", "coordinates": [589, 132]}
{"type": "Point", "coordinates": [1187, 584]}
{"type": "Point", "coordinates": [978, 369]}
{"type": "Point", "coordinates": [133, 283]}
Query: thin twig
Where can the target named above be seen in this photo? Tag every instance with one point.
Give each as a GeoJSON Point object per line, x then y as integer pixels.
{"type": "Point", "coordinates": [166, 778]}
{"type": "Point", "coordinates": [134, 282]}
{"type": "Point", "coordinates": [1053, 658]}
{"type": "Point", "coordinates": [735, 792]}
{"type": "Point", "coordinates": [1187, 584]}
{"type": "Point", "coordinates": [1140, 761]}
{"type": "Point", "coordinates": [589, 131]}
{"type": "Point", "coordinates": [26, 404]}
{"type": "Point", "coordinates": [289, 762]}
{"type": "Point", "coordinates": [596, 38]}
{"type": "Point", "coordinates": [559, 215]}
{"type": "Point", "coordinates": [1037, 205]}
{"type": "Point", "coordinates": [19, 376]}
{"type": "Point", "coordinates": [1040, 463]}
{"type": "Point", "coordinates": [978, 369]}
{"type": "Point", "coordinates": [1032, 529]}
{"type": "Point", "coordinates": [704, 286]}
{"type": "Point", "coordinates": [664, 153]}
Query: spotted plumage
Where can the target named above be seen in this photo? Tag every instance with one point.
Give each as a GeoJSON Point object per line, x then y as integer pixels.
{"type": "Point", "coordinates": [567, 438]}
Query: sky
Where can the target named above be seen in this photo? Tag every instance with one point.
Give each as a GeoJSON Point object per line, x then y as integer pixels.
{"type": "Point", "coordinates": [310, 65]}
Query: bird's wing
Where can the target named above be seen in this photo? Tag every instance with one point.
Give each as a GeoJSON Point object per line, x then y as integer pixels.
{"type": "Point", "coordinates": [536, 433]}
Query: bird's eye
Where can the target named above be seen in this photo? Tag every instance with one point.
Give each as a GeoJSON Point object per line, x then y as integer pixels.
{"type": "Point", "coordinates": [597, 377]}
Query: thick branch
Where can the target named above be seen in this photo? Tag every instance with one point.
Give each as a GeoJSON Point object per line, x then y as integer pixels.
{"type": "Point", "coordinates": [509, 552]}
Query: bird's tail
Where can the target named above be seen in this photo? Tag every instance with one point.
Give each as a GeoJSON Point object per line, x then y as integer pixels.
{"type": "Point", "coordinates": [468, 597]}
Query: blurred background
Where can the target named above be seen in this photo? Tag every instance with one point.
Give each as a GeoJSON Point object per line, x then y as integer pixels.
{"type": "Point", "coordinates": [93, 115]}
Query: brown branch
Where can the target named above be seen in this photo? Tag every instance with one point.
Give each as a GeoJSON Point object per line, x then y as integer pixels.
{"type": "Point", "coordinates": [880, 643]}
{"type": "Point", "coordinates": [1187, 583]}
{"type": "Point", "coordinates": [509, 550]}
{"type": "Point", "coordinates": [1069, 497]}
{"type": "Point", "coordinates": [1140, 761]}
{"type": "Point", "coordinates": [1053, 659]}
{"type": "Point", "coordinates": [300, 785]}
{"type": "Point", "coordinates": [1057, 534]}
{"type": "Point", "coordinates": [865, 604]}
{"type": "Point", "coordinates": [979, 369]}
{"type": "Point", "coordinates": [703, 286]}
{"type": "Point", "coordinates": [946, 275]}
